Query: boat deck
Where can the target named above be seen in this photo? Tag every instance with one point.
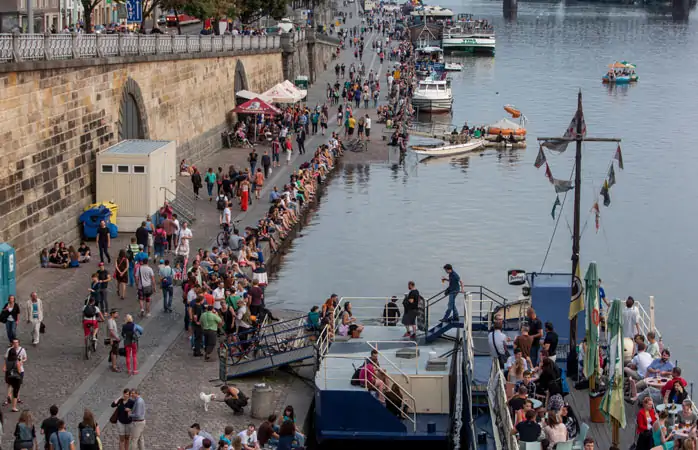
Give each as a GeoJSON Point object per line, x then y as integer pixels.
{"type": "Point", "coordinates": [337, 369]}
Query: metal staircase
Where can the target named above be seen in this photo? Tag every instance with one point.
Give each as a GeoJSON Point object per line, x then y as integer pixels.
{"type": "Point", "coordinates": [440, 330]}
{"type": "Point", "coordinates": [183, 202]}
{"type": "Point", "coordinates": [266, 347]}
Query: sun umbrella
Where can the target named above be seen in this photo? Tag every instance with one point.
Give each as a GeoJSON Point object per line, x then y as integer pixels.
{"type": "Point", "coordinates": [612, 404]}
{"type": "Point", "coordinates": [591, 356]}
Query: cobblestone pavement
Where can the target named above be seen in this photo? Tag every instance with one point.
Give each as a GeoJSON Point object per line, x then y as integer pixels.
{"type": "Point", "coordinates": [170, 379]}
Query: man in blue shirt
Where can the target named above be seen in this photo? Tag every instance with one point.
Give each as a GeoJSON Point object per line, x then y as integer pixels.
{"type": "Point", "coordinates": [454, 287]}
{"type": "Point", "coordinates": [137, 415]}
{"type": "Point", "coordinates": [141, 255]}
{"type": "Point", "coordinates": [660, 367]}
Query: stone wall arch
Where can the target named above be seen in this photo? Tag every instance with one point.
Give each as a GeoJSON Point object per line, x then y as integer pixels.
{"type": "Point", "coordinates": [240, 81]}
{"type": "Point", "coordinates": [133, 119]}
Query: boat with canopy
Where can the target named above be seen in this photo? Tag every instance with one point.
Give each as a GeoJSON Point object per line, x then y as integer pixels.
{"type": "Point", "coordinates": [620, 72]}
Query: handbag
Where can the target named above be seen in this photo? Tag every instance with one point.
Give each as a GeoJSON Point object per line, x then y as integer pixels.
{"type": "Point", "coordinates": [42, 328]}
{"type": "Point", "coordinates": [147, 290]}
{"type": "Point", "coordinates": [502, 358]}
{"type": "Point", "coordinates": [114, 416]}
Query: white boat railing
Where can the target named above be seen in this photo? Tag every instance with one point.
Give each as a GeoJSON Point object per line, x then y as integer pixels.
{"type": "Point", "coordinates": [499, 410]}
{"type": "Point", "coordinates": [409, 401]}
{"type": "Point", "coordinates": [416, 351]}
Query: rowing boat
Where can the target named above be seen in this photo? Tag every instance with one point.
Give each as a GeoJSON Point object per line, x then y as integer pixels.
{"type": "Point", "coordinates": [429, 151]}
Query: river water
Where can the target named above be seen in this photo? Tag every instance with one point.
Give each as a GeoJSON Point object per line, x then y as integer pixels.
{"type": "Point", "coordinates": [381, 224]}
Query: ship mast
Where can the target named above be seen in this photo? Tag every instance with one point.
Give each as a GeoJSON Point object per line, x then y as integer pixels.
{"type": "Point", "coordinates": [579, 137]}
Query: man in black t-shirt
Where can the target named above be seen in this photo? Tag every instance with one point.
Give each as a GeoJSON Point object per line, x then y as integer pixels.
{"type": "Point", "coordinates": [196, 312]}
{"type": "Point", "coordinates": [535, 330]}
{"type": "Point", "coordinates": [528, 430]}
{"type": "Point", "coordinates": [550, 342]}
{"type": "Point", "coordinates": [50, 425]}
{"type": "Point", "coordinates": [518, 401]}
{"type": "Point", "coordinates": [104, 241]}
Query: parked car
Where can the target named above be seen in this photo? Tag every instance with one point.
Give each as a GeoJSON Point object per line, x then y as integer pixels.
{"type": "Point", "coordinates": [100, 29]}
{"type": "Point", "coordinates": [162, 20]}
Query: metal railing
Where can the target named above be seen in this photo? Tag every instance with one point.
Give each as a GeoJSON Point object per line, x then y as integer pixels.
{"type": "Point", "coordinates": [410, 414]}
{"type": "Point", "coordinates": [416, 351]}
{"type": "Point", "coordinates": [52, 47]}
{"type": "Point", "coordinates": [499, 409]}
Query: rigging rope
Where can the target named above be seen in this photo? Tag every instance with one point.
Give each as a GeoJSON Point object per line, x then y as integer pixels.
{"type": "Point", "coordinates": [562, 208]}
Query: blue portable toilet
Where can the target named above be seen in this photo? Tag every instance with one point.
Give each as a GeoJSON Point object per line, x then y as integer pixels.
{"type": "Point", "coordinates": [8, 272]}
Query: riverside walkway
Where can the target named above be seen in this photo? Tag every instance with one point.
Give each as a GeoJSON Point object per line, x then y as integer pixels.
{"type": "Point", "coordinates": [170, 379]}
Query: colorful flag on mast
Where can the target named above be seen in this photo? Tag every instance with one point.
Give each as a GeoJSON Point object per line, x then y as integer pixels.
{"type": "Point", "coordinates": [605, 194]}
{"type": "Point", "coordinates": [619, 157]}
{"type": "Point", "coordinates": [562, 185]}
{"type": "Point", "coordinates": [611, 176]}
{"type": "Point", "coordinates": [549, 174]}
{"type": "Point", "coordinates": [577, 305]}
{"type": "Point", "coordinates": [597, 213]}
{"type": "Point", "coordinates": [555, 205]}
{"type": "Point", "coordinates": [540, 159]}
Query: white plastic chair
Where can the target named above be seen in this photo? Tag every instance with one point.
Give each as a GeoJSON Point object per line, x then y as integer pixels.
{"type": "Point", "coordinates": [579, 442]}
{"type": "Point", "coordinates": [530, 446]}
{"type": "Point", "coordinates": [564, 445]}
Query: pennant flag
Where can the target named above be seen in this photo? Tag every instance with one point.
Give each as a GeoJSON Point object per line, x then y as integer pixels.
{"type": "Point", "coordinates": [555, 205]}
{"type": "Point", "coordinates": [577, 304]}
{"type": "Point", "coordinates": [605, 194]}
{"type": "Point", "coordinates": [540, 159]}
{"type": "Point", "coordinates": [595, 209]}
{"type": "Point", "coordinates": [619, 157]}
{"type": "Point", "coordinates": [562, 185]}
{"type": "Point", "coordinates": [611, 176]}
{"type": "Point", "coordinates": [548, 173]}
{"type": "Point", "coordinates": [560, 145]}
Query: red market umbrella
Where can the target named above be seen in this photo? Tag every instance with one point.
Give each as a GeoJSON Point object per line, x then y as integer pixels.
{"type": "Point", "coordinates": [256, 106]}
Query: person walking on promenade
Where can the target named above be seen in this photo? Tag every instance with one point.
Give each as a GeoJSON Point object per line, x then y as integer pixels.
{"type": "Point", "coordinates": [258, 183]}
{"type": "Point", "coordinates": [62, 439]}
{"type": "Point", "coordinates": [300, 139]}
{"type": "Point", "coordinates": [10, 316]}
{"type": "Point", "coordinates": [266, 163]}
{"type": "Point", "coordinates": [25, 433]}
{"type": "Point", "coordinates": [121, 273]}
{"type": "Point", "coordinates": [88, 431]}
{"type": "Point", "coordinates": [114, 339]}
{"type": "Point", "coordinates": [137, 415]}
{"type": "Point", "coordinates": [35, 315]}
{"type": "Point", "coordinates": [289, 150]}
{"type": "Point", "coordinates": [196, 182]}
{"type": "Point", "coordinates": [275, 152]}
{"type": "Point", "coordinates": [454, 287]}
{"type": "Point", "coordinates": [50, 426]}
{"type": "Point", "coordinates": [185, 235]}
{"type": "Point", "coordinates": [130, 335]}
{"type": "Point", "coordinates": [252, 159]}
{"type": "Point", "coordinates": [244, 194]}
{"type": "Point", "coordinates": [104, 241]}
{"type": "Point", "coordinates": [104, 279]}
{"type": "Point", "coordinates": [123, 405]}
{"type": "Point", "coordinates": [210, 323]}
{"type": "Point", "coordinates": [166, 275]}
{"type": "Point", "coordinates": [14, 373]}
{"type": "Point", "coordinates": [210, 179]}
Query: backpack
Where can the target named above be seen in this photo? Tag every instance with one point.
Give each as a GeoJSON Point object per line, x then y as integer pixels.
{"type": "Point", "coordinates": [166, 281]}
{"type": "Point", "coordinates": [355, 380]}
{"type": "Point", "coordinates": [24, 436]}
{"type": "Point", "coordinates": [160, 237]}
{"type": "Point", "coordinates": [220, 203]}
{"type": "Point", "coordinates": [87, 436]}
{"type": "Point", "coordinates": [129, 254]}
{"type": "Point", "coordinates": [89, 311]}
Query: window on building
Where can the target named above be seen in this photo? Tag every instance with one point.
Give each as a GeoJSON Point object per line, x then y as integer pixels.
{"type": "Point", "coordinates": [139, 169]}
{"type": "Point", "coordinates": [107, 168]}
{"type": "Point", "coordinates": [122, 169]}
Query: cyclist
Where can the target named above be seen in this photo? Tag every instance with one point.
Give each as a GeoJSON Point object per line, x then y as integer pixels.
{"type": "Point", "coordinates": [90, 316]}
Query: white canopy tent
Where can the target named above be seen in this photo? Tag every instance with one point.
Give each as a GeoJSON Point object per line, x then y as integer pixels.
{"type": "Point", "coordinates": [249, 95]}
{"type": "Point", "coordinates": [285, 92]}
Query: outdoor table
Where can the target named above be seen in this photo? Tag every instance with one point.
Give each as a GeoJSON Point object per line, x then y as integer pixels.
{"type": "Point", "coordinates": [656, 382]}
{"type": "Point", "coordinates": [672, 409]}
{"type": "Point", "coordinates": [681, 432]}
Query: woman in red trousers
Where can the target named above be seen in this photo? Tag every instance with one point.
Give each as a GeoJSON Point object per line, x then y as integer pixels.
{"type": "Point", "coordinates": [244, 194]}
{"type": "Point", "coordinates": [128, 331]}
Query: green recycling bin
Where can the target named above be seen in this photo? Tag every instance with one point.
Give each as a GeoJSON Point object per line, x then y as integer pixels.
{"type": "Point", "coordinates": [301, 82]}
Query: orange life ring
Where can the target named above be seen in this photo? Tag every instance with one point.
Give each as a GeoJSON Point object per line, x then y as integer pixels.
{"type": "Point", "coordinates": [595, 317]}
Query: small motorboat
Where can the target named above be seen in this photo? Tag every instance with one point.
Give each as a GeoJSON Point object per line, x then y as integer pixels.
{"type": "Point", "coordinates": [620, 73]}
{"type": "Point", "coordinates": [453, 67]}
{"type": "Point", "coordinates": [431, 151]}
{"type": "Point", "coordinates": [513, 110]}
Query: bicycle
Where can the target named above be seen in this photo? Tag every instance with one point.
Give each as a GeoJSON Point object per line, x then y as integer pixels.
{"type": "Point", "coordinates": [223, 238]}
{"type": "Point", "coordinates": [91, 342]}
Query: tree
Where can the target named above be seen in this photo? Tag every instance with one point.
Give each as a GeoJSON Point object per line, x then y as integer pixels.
{"type": "Point", "coordinates": [89, 6]}
{"type": "Point", "coordinates": [148, 7]}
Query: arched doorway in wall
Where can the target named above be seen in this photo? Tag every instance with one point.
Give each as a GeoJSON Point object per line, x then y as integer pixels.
{"type": "Point", "coordinates": [240, 82]}
{"type": "Point", "coordinates": [133, 122]}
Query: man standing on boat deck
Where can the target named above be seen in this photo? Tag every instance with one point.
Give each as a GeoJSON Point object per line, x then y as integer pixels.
{"type": "Point", "coordinates": [454, 287]}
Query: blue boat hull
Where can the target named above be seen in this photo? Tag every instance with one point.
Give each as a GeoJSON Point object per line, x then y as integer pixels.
{"type": "Point", "coordinates": [619, 80]}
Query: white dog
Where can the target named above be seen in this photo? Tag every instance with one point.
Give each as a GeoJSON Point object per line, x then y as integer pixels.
{"type": "Point", "coordinates": [206, 398]}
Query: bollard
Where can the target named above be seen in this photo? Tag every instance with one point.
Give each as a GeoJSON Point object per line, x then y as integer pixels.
{"type": "Point", "coordinates": [262, 401]}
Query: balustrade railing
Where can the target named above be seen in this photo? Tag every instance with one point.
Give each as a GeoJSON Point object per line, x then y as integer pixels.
{"type": "Point", "coordinates": [51, 47]}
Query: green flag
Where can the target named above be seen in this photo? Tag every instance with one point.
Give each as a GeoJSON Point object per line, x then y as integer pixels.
{"type": "Point", "coordinates": [555, 205]}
